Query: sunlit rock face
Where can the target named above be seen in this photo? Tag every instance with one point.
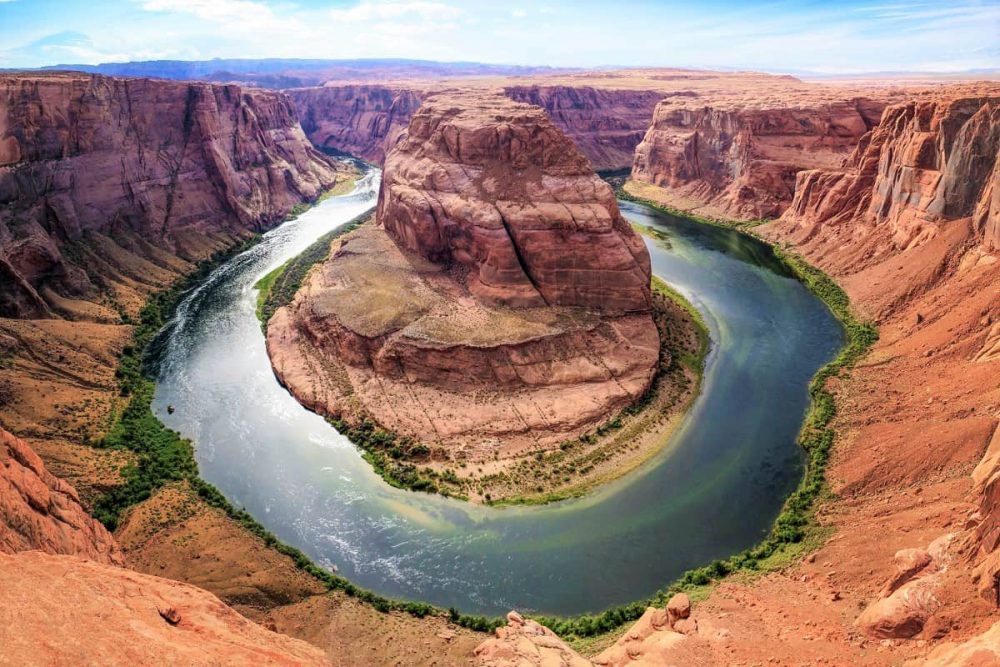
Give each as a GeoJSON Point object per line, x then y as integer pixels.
{"type": "Point", "coordinates": [101, 177]}
{"type": "Point", "coordinates": [501, 300]}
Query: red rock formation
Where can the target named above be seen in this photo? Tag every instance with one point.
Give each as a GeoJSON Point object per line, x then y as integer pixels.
{"type": "Point", "coordinates": [659, 637]}
{"type": "Point", "coordinates": [743, 159]}
{"type": "Point", "coordinates": [136, 166]}
{"type": "Point", "coordinates": [40, 511]}
{"type": "Point", "coordinates": [363, 120]}
{"type": "Point", "coordinates": [63, 610]}
{"type": "Point", "coordinates": [502, 296]}
{"type": "Point", "coordinates": [366, 119]}
{"type": "Point", "coordinates": [980, 651]}
{"type": "Point", "coordinates": [605, 124]}
{"type": "Point", "coordinates": [926, 163]}
{"type": "Point", "coordinates": [499, 189]}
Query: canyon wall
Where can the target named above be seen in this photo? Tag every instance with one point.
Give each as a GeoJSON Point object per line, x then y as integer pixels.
{"type": "Point", "coordinates": [605, 124]}
{"type": "Point", "coordinates": [925, 164]}
{"type": "Point", "coordinates": [366, 120]}
{"type": "Point", "coordinates": [742, 159]}
{"type": "Point", "coordinates": [908, 226]}
{"type": "Point", "coordinates": [502, 298]}
{"type": "Point", "coordinates": [106, 181]}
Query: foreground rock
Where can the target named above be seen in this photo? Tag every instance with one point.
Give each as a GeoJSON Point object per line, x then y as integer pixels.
{"type": "Point", "coordinates": [108, 187]}
{"type": "Point", "coordinates": [659, 637]}
{"type": "Point", "coordinates": [59, 610]}
{"type": "Point", "coordinates": [40, 511]}
{"type": "Point", "coordinates": [500, 304]}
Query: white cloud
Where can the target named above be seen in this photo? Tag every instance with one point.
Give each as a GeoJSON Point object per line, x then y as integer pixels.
{"type": "Point", "coordinates": [519, 13]}
{"type": "Point", "coordinates": [369, 10]}
{"type": "Point", "coordinates": [213, 10]}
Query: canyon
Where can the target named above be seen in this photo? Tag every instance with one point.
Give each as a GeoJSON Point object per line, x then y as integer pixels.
{"type": "Point", "coordinates": [498, 306]}
{"type": "Point", "coordinates": [907, 225]}
{"type": "Point", "coordinates": [110, 186]}
{"type": "Point", "coordinates": [608, 114]}
{"type": "Point", "coordinates": [109, 197]}
{"type": "Point", "coordinates": [113, 190]}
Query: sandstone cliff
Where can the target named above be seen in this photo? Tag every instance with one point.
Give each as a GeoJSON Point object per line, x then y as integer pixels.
{"type": "Point", "coordinates": [40, 511]}
{"type": "Point", "coordinates": [502, 303]}
{"type": "Point", "coordinates": [605, 124]}
{"type": "Point", "coordinates": [363, 120]}
{"type": "Point", "coordinates": [925, 164]}
{"type": "Point", "coordinates": [907, 226]}
{"type": "Point", "coordinates": [742, 160]}
{"type": "Point", "coordinates": [105, 182]}
{"type": "Point", "coordinates": [366, 120]}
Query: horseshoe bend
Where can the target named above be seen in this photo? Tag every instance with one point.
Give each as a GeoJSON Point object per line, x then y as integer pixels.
{"type": "Point", "coordinates": [496, 307]}
{"type": "Point", "coordinates": [733, 399]}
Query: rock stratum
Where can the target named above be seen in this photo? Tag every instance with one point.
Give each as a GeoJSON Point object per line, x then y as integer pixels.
{"type": "Point", "coordinates": [107, 185]}
{"type": "Point", "coordinates": [39, 511]}
{"type": "Point", "coordinates": [742, 160]}
{"type": "Point", "coordinates": [367, 120]}
{"type": "Point", "coordinates": [500, 303]}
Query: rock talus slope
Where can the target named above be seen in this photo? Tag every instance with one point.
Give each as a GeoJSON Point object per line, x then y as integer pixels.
{"type": "Point", "coordinates": [106, 182]}
{"type": "Point", "coordinates": [501, 296]}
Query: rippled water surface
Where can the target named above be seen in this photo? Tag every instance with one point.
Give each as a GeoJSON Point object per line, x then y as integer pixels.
{"type": "Point", "coordinates": [713, 490]}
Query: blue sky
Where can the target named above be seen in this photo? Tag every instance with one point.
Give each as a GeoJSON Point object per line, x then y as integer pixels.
{"type": "Point", "coordinates": [789, 36]}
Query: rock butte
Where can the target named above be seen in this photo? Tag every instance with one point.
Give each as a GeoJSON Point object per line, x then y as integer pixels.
{"type": "Point", "coordinates": [500, 302]}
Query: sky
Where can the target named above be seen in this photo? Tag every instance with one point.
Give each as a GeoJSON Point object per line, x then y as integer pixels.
{"type": "Point", "coordinates": [794, 36]}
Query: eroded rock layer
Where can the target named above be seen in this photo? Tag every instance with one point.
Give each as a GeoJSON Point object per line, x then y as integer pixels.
{"type": "Point", "coordinates": [40, 511]}
{"type": "Point", "coordinates": [501, 297]}
{"type": "Point", "coordinates": [363, 120]}
{"type": "Point", "coordinates": [109, 181]}
{"type": "Point", "coordinates": [744, 159]}
{"type": "Point", "coordinates": [366, 119]}
{"type": "Point", "coordinates": [925, 164]}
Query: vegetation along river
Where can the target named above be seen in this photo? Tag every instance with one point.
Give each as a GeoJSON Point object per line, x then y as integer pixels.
{"type": "Point", "coordinates": [714, 489]}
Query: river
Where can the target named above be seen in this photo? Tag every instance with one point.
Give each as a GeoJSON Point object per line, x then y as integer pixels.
{"type": "Point", "coordinates": [714, 489]}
